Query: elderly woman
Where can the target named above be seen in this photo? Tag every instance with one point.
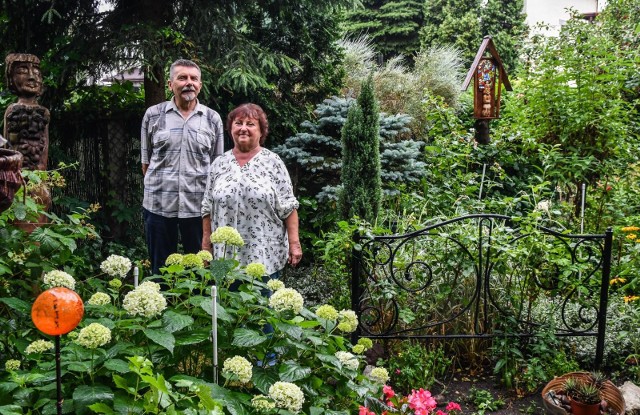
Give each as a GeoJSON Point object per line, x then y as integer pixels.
{"type": "Point", "coordinates": [250, 190]}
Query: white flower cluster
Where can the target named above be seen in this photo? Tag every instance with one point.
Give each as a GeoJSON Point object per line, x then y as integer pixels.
{"type": "Point", "coordinates": [39, 346]}
{"type": "Point", "coordinates": [348, 360]}
{"type": "Point", "coordinates": [146, 300]}
{"type": "Point", "coordinates": [99, 299]}
{"type": "Point", "coordinates": [275, 285]}
{"type": "Point", "coordinates": [205, 255]}
{"type": "Point", "coordinates": [262, 403]}
{"type": "Point", "coordinates": [286, 299]}
{"type": "Point", "coordinates": [227, 235]}
{"type": "Point", "coordinates": [173, 259]}
{"type": "Point", "coordinates": [192, 261]}
{"type": "Point", "coordinates": [379, 374]}
{"type": "Point", "coordinates": [287, 396]}
{"type": "Point", "coordinates": [57, 278]}
{"type": "Point", "coordinates": [238, 367]}
{"type": "Point", "coordinates": [94, 336]}
{"type": "Point", "coordinates": [12, 365]}
{"type": "Point", "coordinates": [255, 270]}
{"type": "Point", "coordinates": [327, 312]}
{"type": "Point", "coordinates": [116, 266]}
{"type": "Point", "coordinates": [348, 321]}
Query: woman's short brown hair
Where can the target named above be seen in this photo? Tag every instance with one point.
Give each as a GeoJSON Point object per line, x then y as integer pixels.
{"type": "Point", "coordinates": [250, 110]}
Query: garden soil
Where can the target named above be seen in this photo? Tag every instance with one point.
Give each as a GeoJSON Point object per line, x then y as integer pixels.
{"type": "Point", "coordinates": [459, 388]}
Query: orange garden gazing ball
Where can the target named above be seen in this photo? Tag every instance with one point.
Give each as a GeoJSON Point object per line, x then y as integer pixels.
{"type": "Point", "coordinates": [57, 311]}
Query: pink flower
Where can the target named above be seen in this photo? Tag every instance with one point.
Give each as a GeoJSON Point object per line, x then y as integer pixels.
{"type": "Point", "coordinates": [388, 391]}
{"type": "Point", "coordinates": [365, 411]}
{"type": "Point", "coordinates": [421, 401]}
{"type": "Point", "coordinates": [440, 412]}
{"type": "Point", "coordinates": [398, 371]}
{"type": "Point", "coordinates": [452, 406]}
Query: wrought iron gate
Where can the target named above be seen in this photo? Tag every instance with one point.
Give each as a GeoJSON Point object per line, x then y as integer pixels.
{"type": "Point", "coordinates": [466, 277]}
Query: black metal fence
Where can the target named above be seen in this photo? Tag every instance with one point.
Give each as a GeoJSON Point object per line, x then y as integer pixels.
{"type": "Point", "coordinates": [482, 276]}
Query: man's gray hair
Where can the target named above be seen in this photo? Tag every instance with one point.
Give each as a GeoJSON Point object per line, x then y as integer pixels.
{"type": "Point", "coordinates": [182, 62]}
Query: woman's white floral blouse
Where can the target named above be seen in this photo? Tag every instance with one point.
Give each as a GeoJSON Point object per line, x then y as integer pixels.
{"type": "Point", "coordinates": [254, 199]}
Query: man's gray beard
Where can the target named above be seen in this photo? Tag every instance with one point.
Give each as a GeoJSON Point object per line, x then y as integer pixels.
{"type": "Point", "coordinates": [189, 96]}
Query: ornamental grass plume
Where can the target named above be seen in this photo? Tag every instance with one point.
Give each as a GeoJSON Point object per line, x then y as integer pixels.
{"type": "Point", "coordinates": [58, 278]}
{"type": "Point", "coordinates": [93, 336]}
{"type": "Point", "coordinates": [287, 396]}
{"type": "Point", "coordinates": [146, 300]}
{"type": "Point", "coordinates": [286, 299]}
{"type": "Point", "coordinates": [237, 368]}
{"type": "Point", "coordinates": [116, 266]}
{"type": "Point", "coordinates": [256, 270]}
{"type": "Point", "coordinates": [99, 299]}
{"type": "Point", "coordinates": [39, 346]}
{"type": "Point", "coordinates": [227, 235]}
{"type": "Point", "coordinates": [275, 285]}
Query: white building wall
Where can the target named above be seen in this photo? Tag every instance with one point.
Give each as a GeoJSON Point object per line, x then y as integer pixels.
{"type": "Point", "coordinates": [554, 12]}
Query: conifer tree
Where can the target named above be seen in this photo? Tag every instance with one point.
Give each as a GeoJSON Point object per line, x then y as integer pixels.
{"type": "Point", "coordinates": [361, 192]}
{"type": "Point", "coordinates": [504, 21]}
{"type": "Point", "coordinates": [392, 25]}
{"type": "Point", "coordinates": [452, 22]}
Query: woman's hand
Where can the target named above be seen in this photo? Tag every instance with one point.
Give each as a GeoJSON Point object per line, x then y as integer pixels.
{"type": "Point", "coordinates": [295, 253]}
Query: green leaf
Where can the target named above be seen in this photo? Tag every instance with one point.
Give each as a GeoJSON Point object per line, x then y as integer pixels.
{"type": "Point", "coordinates": [17, 304]}
{"type": "Point", "coordinates": [222, 267]}
{"type": "Point", "coordinates": [293, 372]}
{"type": "Point", "coordinates": [247, 338]}
{"type": "Point", "coordinates": [101, 408]}
{"type": "Point", "coordinates": [84, 395]}
{"type": "Point", "coordinates": [263, 379]}
{"type": "Point", "coordinates": [223, 315]}
{"type": "Point", "coordinates": [193, 337]}
{"type": "Point", "coordinates": [10, 410]}
{"type": "Point", "coordinates": [117, 365]}
{"type": "Point", "coordinates": [174, 321]}
{"type": "Point", "coordinates": [161, 337]}
{"type": "Point", "coordinates": [290, 330]}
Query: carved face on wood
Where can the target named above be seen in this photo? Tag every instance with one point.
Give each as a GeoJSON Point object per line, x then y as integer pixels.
{"type": "Point", "coordinates": [23, 75]}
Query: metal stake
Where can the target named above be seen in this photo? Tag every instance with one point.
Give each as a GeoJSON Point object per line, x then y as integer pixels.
{"type": "Point", "coordinates": [214, 324]}
{"type": "Point", "coordinates": [58, 376]}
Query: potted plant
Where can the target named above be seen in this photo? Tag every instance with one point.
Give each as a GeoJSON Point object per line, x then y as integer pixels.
{"type": "Point", "coordinates": [584, 394]}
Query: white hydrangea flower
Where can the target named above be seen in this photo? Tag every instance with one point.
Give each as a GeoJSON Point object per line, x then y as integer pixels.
{"type": "Point", "coordinates": [287, 396]}
{"type": "Point", "coordinates": [286, 299]}
{"type": "Point", "coordinates": [262, 403]}
{"type": "Point", "coordinates": [12, 365]}
{"type": "Point", "coordinates": [227, 235]}
{"type": "Point", "coordinates": [39, 346]}
{"type": "Point", "coordinates": [57, 278]}
{"type": "Point", "coordinates": [348, 360]}
{"type": "Point", "coordinates": [99, 299]}
{"type": "Point", "coordinates": [348, 321]}
{"type": "Point", "coordinates": [239, 367]}
{"type": "Point", "coordinates": [205, 255]}
{"type": "Point", "coordinates": [173, 259]}
{"type": "Point", "coordinates": [192, 261]}
{"type": "Point", "coordinates": [327, 312]}
{"type": "Point", "coordinates": [94, 336]}
{"type": "Point", "coordinates": [146, 300]}
{"type": "Point", "coordinates": [256, 270]}
{"type": "Point", "coordinates": [116, 266]}
{"type": "Point", "coordinates": [275, 285]}
{"type": "Point", "coordinates": [379, 374]}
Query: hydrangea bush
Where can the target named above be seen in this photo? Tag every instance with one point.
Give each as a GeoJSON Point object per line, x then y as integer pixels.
{"type": "Point", "coordinates": [148, 349]}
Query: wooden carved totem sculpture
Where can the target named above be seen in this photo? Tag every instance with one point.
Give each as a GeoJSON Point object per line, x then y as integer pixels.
{"type": "Point", "coordinates": [26, 123]}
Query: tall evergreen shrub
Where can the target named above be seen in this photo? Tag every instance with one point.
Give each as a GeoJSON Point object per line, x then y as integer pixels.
{"type": "Point", "coordinates": [361, 193]}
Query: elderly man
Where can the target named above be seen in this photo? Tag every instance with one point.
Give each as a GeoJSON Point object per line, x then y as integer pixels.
{"type": "Point", "coordinates": [179, 140]}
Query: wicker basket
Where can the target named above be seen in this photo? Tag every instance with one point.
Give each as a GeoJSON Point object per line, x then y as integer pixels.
{"type": "Point", "coordinates": [10, 177]}
{"type": "Point", "coordinates": [609, 392]}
